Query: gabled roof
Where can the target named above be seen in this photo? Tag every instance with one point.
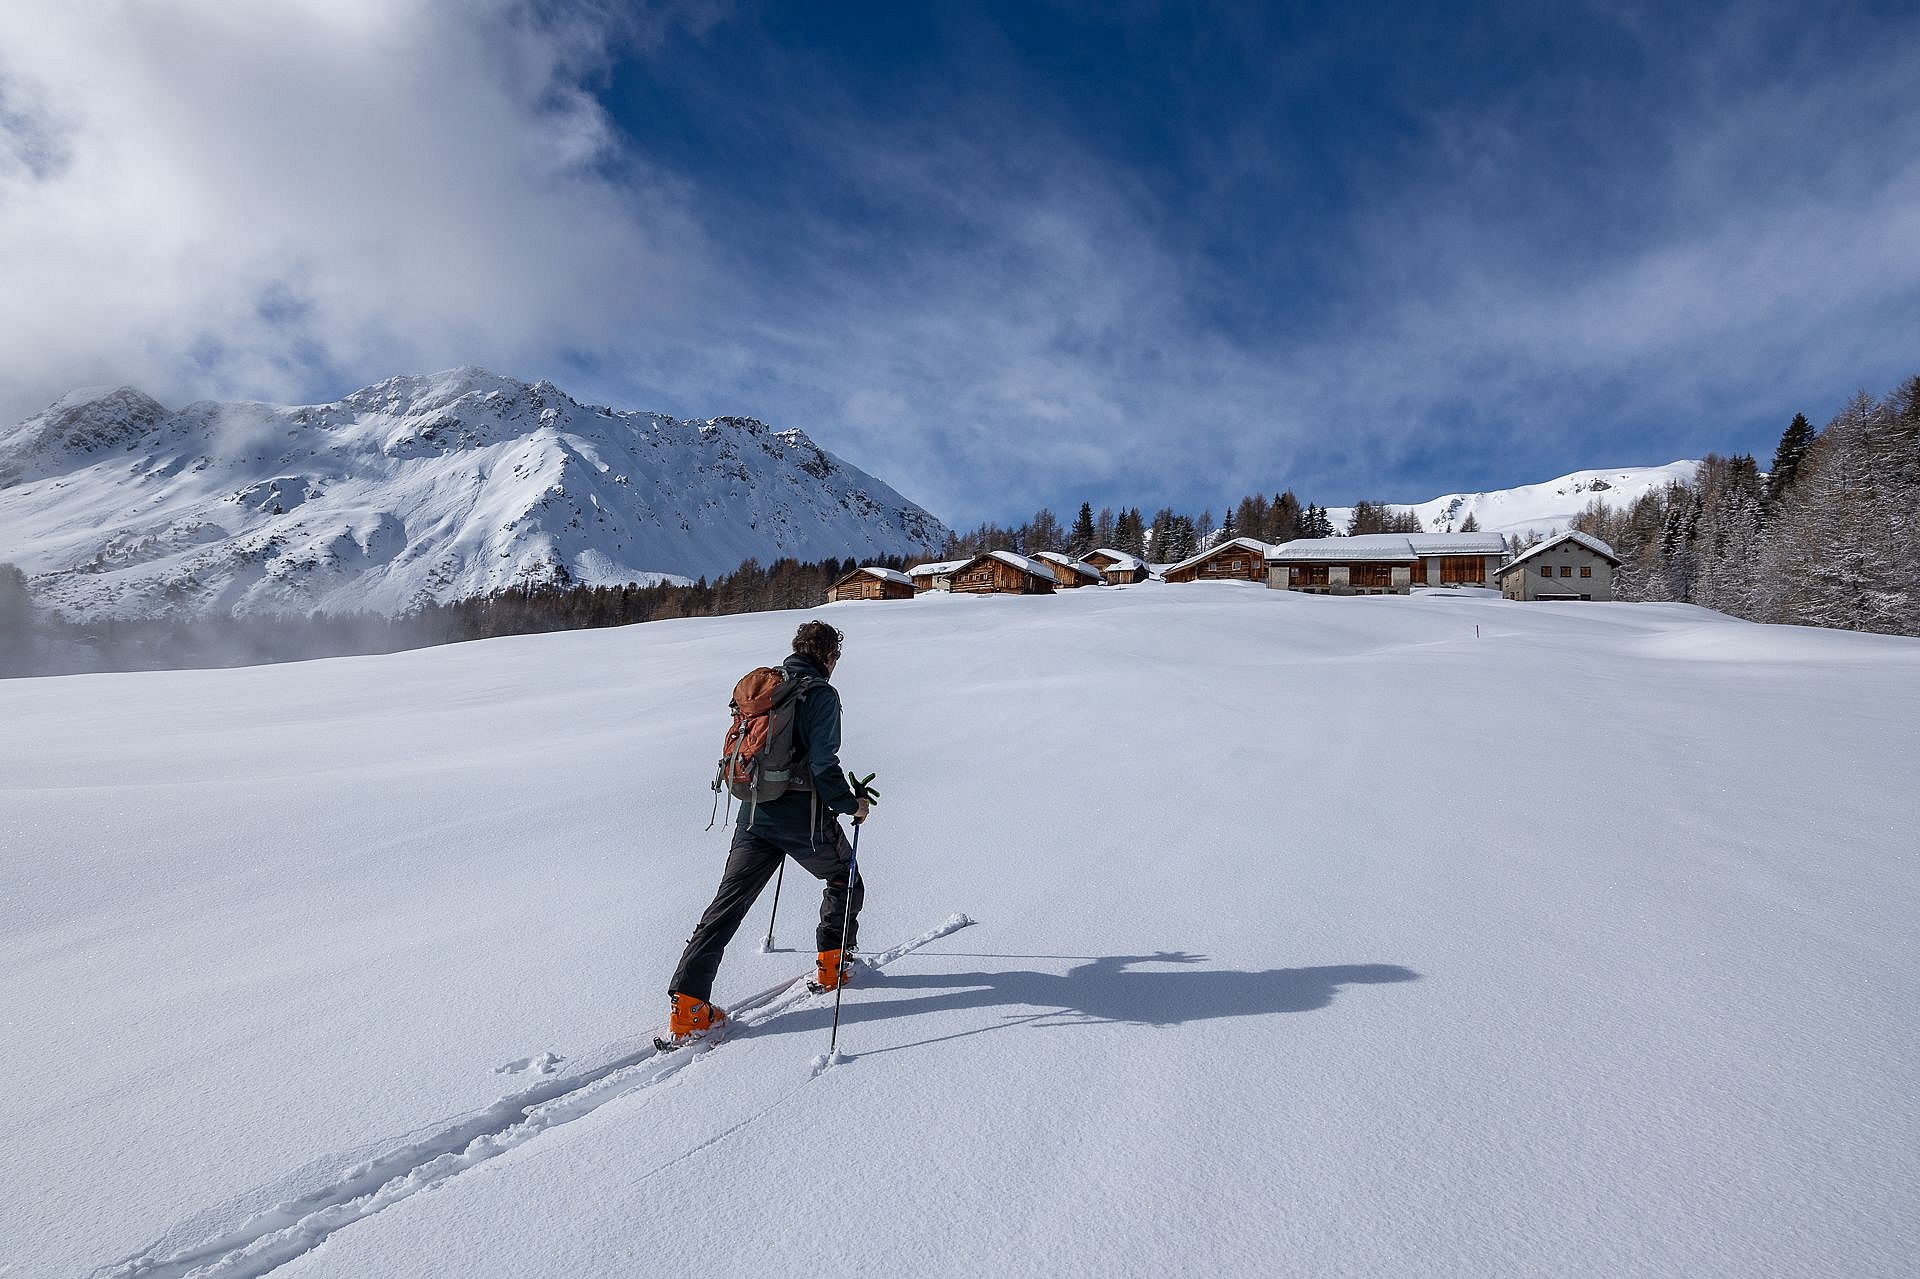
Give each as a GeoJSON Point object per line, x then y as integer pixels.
{"type": "Point", "coordinates": [1457, 543]}
{"type": "Point", "coordinates": [1232, 543]}
{"type": "Point", "coordinates": [1587, 540]}
{"type": "Point", "coordinates": [938, 568]}
{"type": "Point", "coordinates": [1120, 559]}
{"type": "Point", "coordinates": [1020, 562]}
{"type": "Point", "coordinates": [1081, 567]}
{"type": "Point", "coordinates": [1372, 548]}
{"type": "Point", "coordinates": [1387, 548]}
{"type": "Point", "coordinates": [884, 574]}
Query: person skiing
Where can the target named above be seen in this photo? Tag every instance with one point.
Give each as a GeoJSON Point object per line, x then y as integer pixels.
{"type": "Point", "coordinates": [802, 824]}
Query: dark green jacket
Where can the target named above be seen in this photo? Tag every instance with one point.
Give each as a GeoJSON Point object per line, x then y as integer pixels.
{"type": "Point", "coordinates": [818, 726]}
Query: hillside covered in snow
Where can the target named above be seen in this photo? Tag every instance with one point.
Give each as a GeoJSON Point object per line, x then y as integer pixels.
{"type": "Point", "coordinates": [416, 489]}
{"type": "Point", "coordinates": [1545, 508]}
{"type": "Point", "coordinates": [1388, 936]}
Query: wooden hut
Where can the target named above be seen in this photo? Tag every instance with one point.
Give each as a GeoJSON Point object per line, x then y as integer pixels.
{"type": "Point", "coordinates": [1069, 572]}
{"type": "Point", "coordinates": [934, 577]}
{"type": "Point", "coordinates": [871, 584]}
{"type": "Point", "coordinates": [1002, 573]}
{"type": "Point", "coordinates": [1238, 559]}
{"type": "Point", "coordinates": [1118, 567]}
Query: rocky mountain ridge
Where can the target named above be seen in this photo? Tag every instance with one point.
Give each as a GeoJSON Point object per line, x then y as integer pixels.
{"type": "Point", "coordinates": [414, 489]}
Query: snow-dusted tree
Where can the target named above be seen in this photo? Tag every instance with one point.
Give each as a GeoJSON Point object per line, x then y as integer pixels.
{"type": "Point", "coordinates": [1103, 528]}
{"type": "Point", "coordinates": [1173, 536]}
{"type": "Point", "coordinates": [1834, 550]}
{"type": "Point", "coordinates": [1042, 533]}
{"type": "Point", "coordinates": [1470, 524]}
{"type": "Point", "coordinates": [1727, 539]}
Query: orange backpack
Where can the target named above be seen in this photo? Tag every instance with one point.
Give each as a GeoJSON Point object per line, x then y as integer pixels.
{"type": "Point", "coordinates": [761, 759]}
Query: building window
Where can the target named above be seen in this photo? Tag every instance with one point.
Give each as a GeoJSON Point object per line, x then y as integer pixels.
{"type": "Point", "coordinates": [1546, 570]}
{"type": "Point", "coordinates": [1566, 570]}
{"type": "Point", "coordinates": [1586, 570]}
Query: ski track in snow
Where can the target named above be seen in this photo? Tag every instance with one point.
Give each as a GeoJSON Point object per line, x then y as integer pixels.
{"type": "Point", "coordinates": [268, 1240]}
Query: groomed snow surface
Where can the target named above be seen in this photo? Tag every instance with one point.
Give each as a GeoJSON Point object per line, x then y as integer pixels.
{"type": "Point", "coordinates": [1309, 936]}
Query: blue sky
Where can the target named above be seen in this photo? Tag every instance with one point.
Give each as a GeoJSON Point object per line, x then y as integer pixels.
{"type": "Point", "coordinates": [1001, 255]}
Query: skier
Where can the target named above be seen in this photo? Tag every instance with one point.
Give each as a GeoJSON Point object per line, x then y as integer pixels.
{"type": "Point", "coordinates": [802, 824]}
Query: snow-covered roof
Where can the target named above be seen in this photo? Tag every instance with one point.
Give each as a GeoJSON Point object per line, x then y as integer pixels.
{"type": "Point", "coordinates": [1081, 567]}
{"type": "Point", "coordinates": [1120, 559]}
{"type": "Point", "coordinates": [1236, 543]}
{"type": "Point", "coordinates": [1020, 562]}
{"type": "Point", "coordinates": [886, 574]}
{"type": "Point", "coordinates": [1457, 543]}
{"type": "Point", "coordinates": [1575, 536]}
{"type": "Point", "coordinates": [1396, 548]}
{"type": "Point", "coordinates": [1024, 564]}
{"type": "Point", "coordinates": [1371, 547]}
{"type": "Point", "coordinates": [938, 569]}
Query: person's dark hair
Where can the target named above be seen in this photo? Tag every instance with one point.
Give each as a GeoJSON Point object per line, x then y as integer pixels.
{"type": "Point", "coordinates": [818, 641]}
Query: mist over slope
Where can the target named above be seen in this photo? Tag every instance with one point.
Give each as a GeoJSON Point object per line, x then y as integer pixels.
{"type": "Point", "coordinates": [414, 489]}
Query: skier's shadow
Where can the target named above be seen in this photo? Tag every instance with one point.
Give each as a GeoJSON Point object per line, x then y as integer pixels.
{"type": "Point", "coordinates": [1106, 988]}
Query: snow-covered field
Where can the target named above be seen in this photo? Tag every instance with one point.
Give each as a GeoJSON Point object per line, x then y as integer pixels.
{"type": "Point", "coordinates": [1436, 935]}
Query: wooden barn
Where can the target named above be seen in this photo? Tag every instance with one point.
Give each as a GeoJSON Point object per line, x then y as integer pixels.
{"type": "Point", "coordinates": [934, 577]}
{"type": "Point", "coordinates": [1119, 567]}
{"type": "Point", "coordinates": [871, 584]}
{"type": "Point", "coordinates": [1069, 572]}
{"type": "Point", "coordinates": [1238, 559]}
{"type": "Point", "coordinates": [1002, 573]}
{"type": "Point", "coordinates": [1384, 563]}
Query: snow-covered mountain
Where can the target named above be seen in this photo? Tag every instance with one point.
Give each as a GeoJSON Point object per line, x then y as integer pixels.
{"type": "Point", "coordinates": [1545, 508]}
{"type": "Point", "coordinates": [415, 489]}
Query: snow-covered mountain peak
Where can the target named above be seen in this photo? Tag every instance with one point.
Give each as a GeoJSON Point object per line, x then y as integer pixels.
{"type": "Point", "coordinates": [409, 394]}
{"type": "Point", "coordinates": [83, 423]}
{"type": "Point", "coordinates": [421, 487]}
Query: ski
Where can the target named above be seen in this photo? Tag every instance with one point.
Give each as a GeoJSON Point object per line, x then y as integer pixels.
{"type": "Point", "coordinates": [777, 999]}
{"type": "Point", "coordinates": [365, 1185]}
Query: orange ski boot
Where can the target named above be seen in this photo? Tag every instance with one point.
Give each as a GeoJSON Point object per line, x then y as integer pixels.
{"type": "Point", "coordinates": [689, 1019]}
{"type": "Point", "coordinates": [830, 969]}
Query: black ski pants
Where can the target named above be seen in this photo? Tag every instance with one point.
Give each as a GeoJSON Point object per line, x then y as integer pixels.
{"type": "Point", "coordinates": [751, 861]}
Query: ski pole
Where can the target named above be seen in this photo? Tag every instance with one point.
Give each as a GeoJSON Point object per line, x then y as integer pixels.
{"type": "Point", "coordinates": [846, 922]}
{"type": "Point", "coordinates": [766, 947]}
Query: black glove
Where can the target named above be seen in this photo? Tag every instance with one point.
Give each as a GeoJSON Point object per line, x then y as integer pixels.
{"type": "Point", "coordinates": [863, 788]}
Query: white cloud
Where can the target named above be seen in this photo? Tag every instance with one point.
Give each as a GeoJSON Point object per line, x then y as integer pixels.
{"type": "Point", "coordinates": [203, 197]}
